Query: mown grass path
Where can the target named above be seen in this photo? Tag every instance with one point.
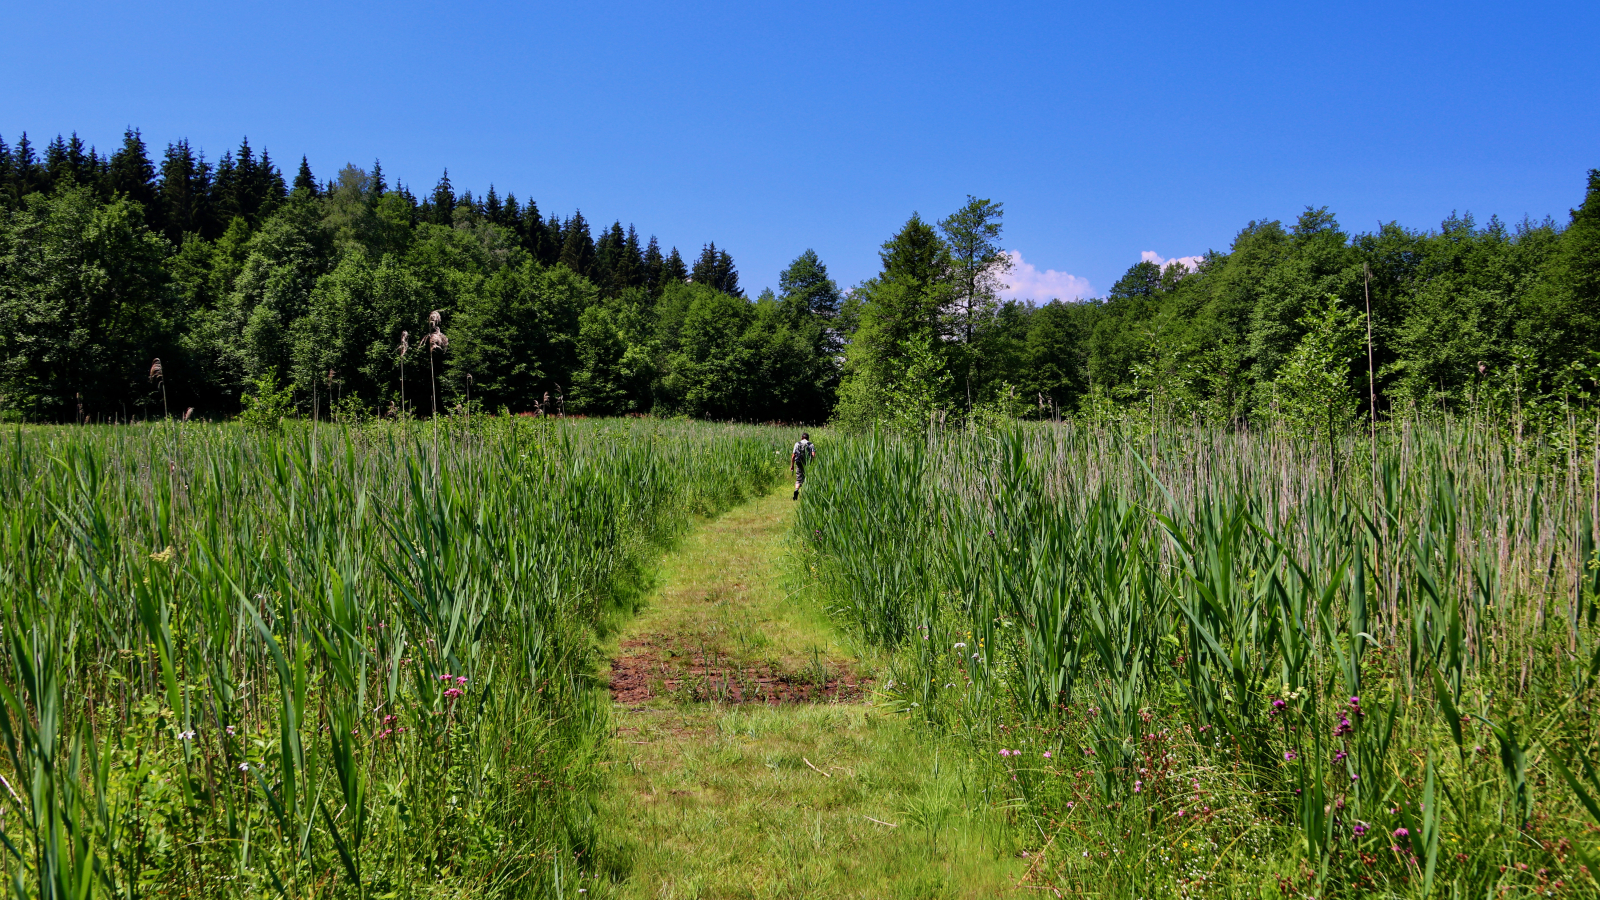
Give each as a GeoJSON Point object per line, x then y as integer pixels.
{"type": "Point", "coordinates": [748, 761]}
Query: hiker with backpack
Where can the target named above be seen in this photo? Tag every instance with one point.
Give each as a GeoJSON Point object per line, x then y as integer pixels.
{"type": "Point", "coordinates": [803, 453]}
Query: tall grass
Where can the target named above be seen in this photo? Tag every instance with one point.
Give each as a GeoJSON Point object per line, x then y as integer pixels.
{"type": "Point", "coordinates": [1204, 663]}
{"type": "Point", "coordinates": [326, 662]}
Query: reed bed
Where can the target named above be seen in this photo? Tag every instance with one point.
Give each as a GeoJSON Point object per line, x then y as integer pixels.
{"type": "Point", "coordinates": [1205, 663]}
{"type": "Point", "coordinates": [328, 661]}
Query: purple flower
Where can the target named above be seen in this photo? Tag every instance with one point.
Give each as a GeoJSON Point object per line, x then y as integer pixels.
{"type": "Point", "coordinates": [462, 679]}
{"type": "Point", "coordinates": [1047, 754]}
{"type": "Point", "coordinates": [1278, 704]}
{"type": "Point", "coordinates": [1339, 757]}
{"type": "Point", "coordinates": [1402, 832]}
{"type": "Point", "coordinates": [1360, 829]}
{"type": "Point", "coordinates": [1354, 778]}
{"type": "Point", "coordinates": [1290, 756]}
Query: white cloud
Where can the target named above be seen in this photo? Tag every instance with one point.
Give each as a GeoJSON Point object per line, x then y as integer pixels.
{"type": "Point", "coordinates": [1192, 263]}
{"type": "Point", "coordinates": [1027, 283]}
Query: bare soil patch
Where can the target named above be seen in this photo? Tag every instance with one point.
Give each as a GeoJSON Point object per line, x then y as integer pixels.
{"type": "Point", "coordinates": [650, 669]}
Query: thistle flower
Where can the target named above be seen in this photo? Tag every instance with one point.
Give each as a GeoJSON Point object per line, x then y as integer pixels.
{"type": "Point", "coordinates": [405, 343]}
{"type": "Point", "coordinates": [155, 370]}
{"type": "Point", "coordinates": [437, 341]}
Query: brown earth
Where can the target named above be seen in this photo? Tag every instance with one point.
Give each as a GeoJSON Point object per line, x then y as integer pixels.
{"type": "Point", "coordinates": [649, 669]}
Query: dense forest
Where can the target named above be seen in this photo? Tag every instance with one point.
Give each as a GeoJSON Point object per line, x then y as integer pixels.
{"type": "Point", "coordinates": [240, 281]}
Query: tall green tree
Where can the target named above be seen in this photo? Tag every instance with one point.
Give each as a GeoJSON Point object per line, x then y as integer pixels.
{"type": "Point", "coordinates": [84, 305]}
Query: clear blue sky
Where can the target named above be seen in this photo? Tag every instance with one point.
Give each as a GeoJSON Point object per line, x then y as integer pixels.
{"type": "Point", "coordinates": [1107, 129]}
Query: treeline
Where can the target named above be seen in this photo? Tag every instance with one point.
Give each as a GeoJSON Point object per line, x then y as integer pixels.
{"type": "Point", "coordinates": [239, 279]}
{"type": "Point", "coordinates": [1274, 329]}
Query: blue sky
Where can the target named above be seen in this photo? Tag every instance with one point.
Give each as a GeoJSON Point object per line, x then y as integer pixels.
{"type": "Point", "coordinates": [1108, 130]}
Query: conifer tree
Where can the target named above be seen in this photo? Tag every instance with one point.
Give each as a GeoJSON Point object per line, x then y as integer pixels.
{"type": "Point", "coordinates": [185, 191]}
{"type": "Point", "coordinates": [56, 167]}
{"type": "Point", "coordinates": [468, 209]}
{"type": "Point", "coordinates": [511, 212]}
{"type": "Point", "coordinates": [378, 187]}
{"type": "Point", "coordinates": [82, 164]}
{"type": "Point", "coordinates": [443, 201]}
{"type": "Point", "coordinates": [492, 209]}
{"type": "Point", "coordinates": [532, 232]}
{"type": "Point", "coordinates": [134, 176]}
{"type": "Point", "coordinates": [654, 268]}
{"type": "Point", "coordinates": [303, 179]}
{"type": "Point", "coordinates": [676, 270]}
{"type": "Point", "coordinates": [26, 171]}
{"type": "Point", "coordinates": [577, 245]}
{"type": "Point", "coordinates": [554, 238]}
{"type": "Point", "coordinates": [715, 268]}
{"type": "Point", "coordinates": [611, 269]}
{"type": "Point", "coordinates": [977, 262]}
{"type": "Point", "coordinates": [805, 284]}
{"type": "Point", "coordinates": [631, 268]}
{"type": "Point", "coordinates": [7, 176]}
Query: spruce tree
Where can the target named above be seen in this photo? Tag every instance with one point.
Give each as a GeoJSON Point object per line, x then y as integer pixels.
{"type": "Point", "coordinates": [715, 268]}
{"type": "Point", "coordinates": [554, 238]}
{"type": "Point", "coordinates": [532, 232]}
{"type": "Point", "coordinates": [915, 253]}
{"type": "Point", "coordinates": [727, 277]}
{"type": "Point", "coordinates": [134, 176]}
{"type": "Point", "coordinates": [806, 286]}
{"type": "Point", "coordinates": [27, 172]}
{"type": "Point", "coordinates": [609, 265]}
{"type": "Point", "coordinates": [303, 179]}
{"type": "Point", "coordinates": [8, 192]}
{"type": "Point", "coordinates": [56, 167]}
{"type": "Point", "coordinates": [443, 201]}
{"type": "Point", "coordinates": [468, 209]}
{"type": "Point", "coordinates": [82, 164]}
{"type": "Point", "coordinates": [654, 268]}
{"type": "Point", "coordinates": [577, 245]}
{"type": "Point", "coordinates": [185, 191]}
{"type": "Point", "coordinates": [631, 266]}
{"type": "Point", "coordinates": [377, 186]}
{"type": "Point", "coordinates": [511, 212]}
{"type": "Point", "coordinates": [675, 268]}
{"type": "Point", "coordinates": [224, 206]}
{"type": "Point", "coordinates": [705, 267]}
{"type": "Point", "coordinates": [492, 209]}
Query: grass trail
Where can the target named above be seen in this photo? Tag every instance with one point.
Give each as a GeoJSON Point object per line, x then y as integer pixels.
{"type": "Point", "coordinates": [747, 761]}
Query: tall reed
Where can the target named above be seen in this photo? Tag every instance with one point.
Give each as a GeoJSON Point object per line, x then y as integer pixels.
{"type": "Point", "coordinates": [1387, 681]}
{"type": "Point", "coordinates": [299, 665]}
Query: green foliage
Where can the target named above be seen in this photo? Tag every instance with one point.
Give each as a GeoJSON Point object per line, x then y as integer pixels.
{"type": "Point", "coordinates": [266, 405]}
{"type": "Point", "coordinates": [84, 306]}
{"type": "Point", "coordinates": [1202, 662]}
{"type": "Point", "coordinates": [337, 665]}
{"type": "Point", "coordinates": [1313, 395]}
{"type": "Point", "coordinates": [252, 279]}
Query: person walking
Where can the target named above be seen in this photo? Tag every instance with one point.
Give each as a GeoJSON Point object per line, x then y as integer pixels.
{"type": "Point", "coordinates": [803, 453]}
